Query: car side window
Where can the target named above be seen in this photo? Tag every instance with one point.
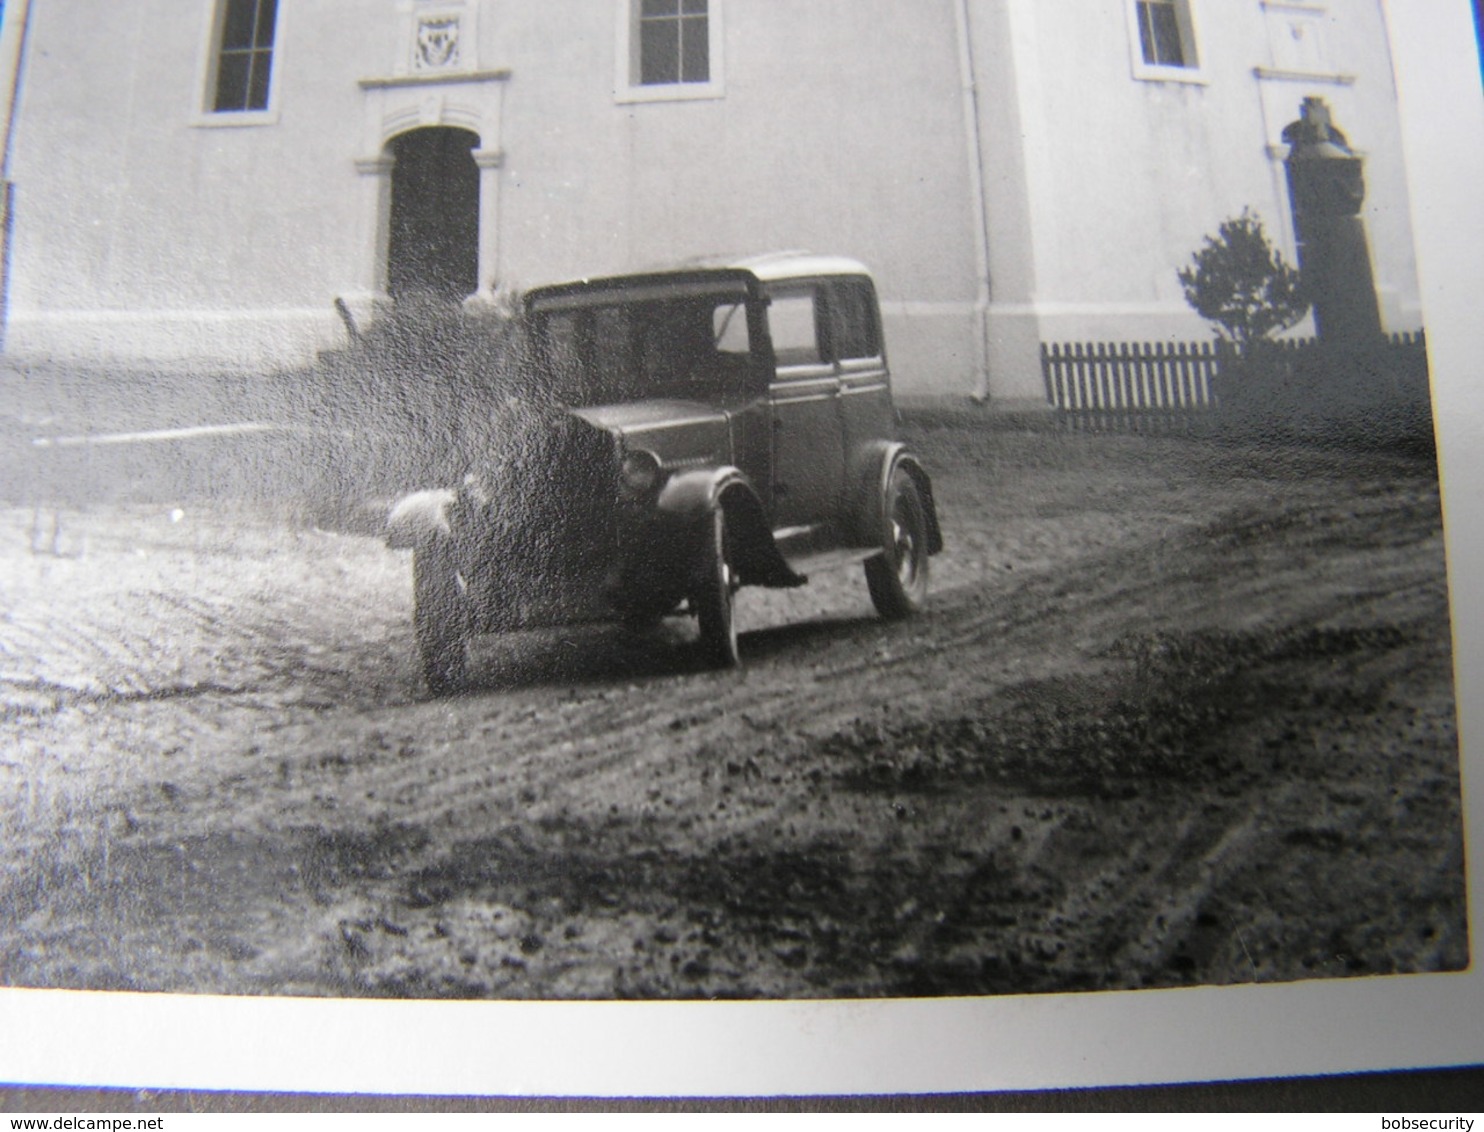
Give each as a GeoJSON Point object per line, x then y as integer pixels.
{"type": "Point", "coordinates": [793, 323]}
{"type": "Point", "coordinates": [729, 330]}
{"type": "Point", "coordinates": [854, 321]}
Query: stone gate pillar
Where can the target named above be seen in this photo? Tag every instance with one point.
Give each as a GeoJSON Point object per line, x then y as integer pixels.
{"type": "Point", "coordinates": [1326, 187]}
{"type": "Point", "coordinates": [489, 161]}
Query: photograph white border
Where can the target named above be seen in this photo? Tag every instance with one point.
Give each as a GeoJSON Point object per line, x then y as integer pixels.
{"type": "Point", "coordinates": [873, 1047]}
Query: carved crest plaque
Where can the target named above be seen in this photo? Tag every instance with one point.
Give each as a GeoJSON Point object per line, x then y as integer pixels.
{"type": "Point", "coordinates": [435, 45]}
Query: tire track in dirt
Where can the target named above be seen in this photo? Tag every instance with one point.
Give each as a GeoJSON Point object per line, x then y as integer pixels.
{"type": "Point", "coordinates": [601, 819]}
{"type": "Point", "coordinates": [552, 783]}
{"type": "Point", "coordinates": [578, 744]}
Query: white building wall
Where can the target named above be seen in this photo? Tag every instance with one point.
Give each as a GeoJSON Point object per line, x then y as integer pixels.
{"type": "Point", "coordinates": [839, 131]}
{"type": "Point", "coordinates": [151, 231]}
{"type": "Point", "coordinates": [148, 231]}
{"type": "Point", "coordinates": [1125, 177]}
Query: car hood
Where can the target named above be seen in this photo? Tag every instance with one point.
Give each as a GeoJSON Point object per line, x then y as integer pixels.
{"type": "Point", "coordinates": [679, 433]}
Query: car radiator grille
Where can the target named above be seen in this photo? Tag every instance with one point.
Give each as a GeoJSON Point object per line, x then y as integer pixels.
{"type": "Point", "coordinates": [540, 543]}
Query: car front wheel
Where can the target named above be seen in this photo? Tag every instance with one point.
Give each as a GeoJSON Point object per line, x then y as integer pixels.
{"type": "Point", "coordinates": [440, 620]}
{"type": "Point", "coordinates": [715, 591]}
{"type": "Point", "coordinates": [898, 576]}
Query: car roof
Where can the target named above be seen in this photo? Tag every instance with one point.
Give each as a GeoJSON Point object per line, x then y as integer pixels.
{"type": "Point", "coordinates": [766, 267]}
{"type": "Point", "coordinates": [770, 266]}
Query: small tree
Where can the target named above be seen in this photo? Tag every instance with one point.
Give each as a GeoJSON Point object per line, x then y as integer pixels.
{"type": "Point", "coordinates": [1241, 282]}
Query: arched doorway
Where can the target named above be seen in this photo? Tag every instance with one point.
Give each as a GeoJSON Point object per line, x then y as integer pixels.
{"type": "Point", "coordinates": [433, 246]}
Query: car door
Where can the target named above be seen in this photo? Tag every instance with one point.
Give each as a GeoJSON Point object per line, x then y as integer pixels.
{"type": "Point", "coordinates": [865, 390]}
{"type": "Point", "coordinates": [808, 445]}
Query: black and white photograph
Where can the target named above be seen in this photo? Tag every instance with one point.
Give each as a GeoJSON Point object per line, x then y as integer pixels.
{"type": "Point", "coordinates": [727, 502]}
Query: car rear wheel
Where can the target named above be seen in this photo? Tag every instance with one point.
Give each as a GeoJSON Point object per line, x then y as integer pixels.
{"type": "Point", "coordinates": [898, 576]}
{"type": "Point", "coordinates": [440, 619]}
{"type": "Point", "coordinates": [715, 590]}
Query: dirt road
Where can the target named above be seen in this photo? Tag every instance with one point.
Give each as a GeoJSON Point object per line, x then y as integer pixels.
{"type": "Point", "coordinates": [1180, 713]}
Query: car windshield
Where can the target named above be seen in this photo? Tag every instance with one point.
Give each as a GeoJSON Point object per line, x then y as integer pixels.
{"type": "Point", "coordinates": [693, 347]}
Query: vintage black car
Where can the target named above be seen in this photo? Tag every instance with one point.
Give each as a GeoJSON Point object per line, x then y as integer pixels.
{"type": "Point", "coordinates": [687, 432]}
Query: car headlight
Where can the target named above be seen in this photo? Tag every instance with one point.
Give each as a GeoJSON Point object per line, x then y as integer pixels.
{"type": "Point", "coordinates": [640, 472]}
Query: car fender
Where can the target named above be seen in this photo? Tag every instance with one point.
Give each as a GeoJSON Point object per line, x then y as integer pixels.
{"type": "Point", "coordinates": [873, 468]}
{"type": "Point", "coordinates": [690, 498]}
{"type": "Point", "coordinates": [420, 519]}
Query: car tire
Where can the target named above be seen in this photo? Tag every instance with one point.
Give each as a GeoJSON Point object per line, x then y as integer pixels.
{"type": "Point", "coordinates": [440, 618]}
{"type": "Point", "coordinates": [715, 591]}
{"type": "Point", "coordinates": [898, 576]}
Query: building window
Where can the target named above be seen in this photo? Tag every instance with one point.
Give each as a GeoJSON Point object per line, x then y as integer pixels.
{"type": "Point", "coordinates": [1162, 40]}
{"type": "Point", "coordinates": [669, 49]}
{"type": "Point", "coordinates": [244, 59]}
{"type": "Point", "coordinates": [1159, 34]}
{"type": "Point", "coordinates": [674, 42]}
